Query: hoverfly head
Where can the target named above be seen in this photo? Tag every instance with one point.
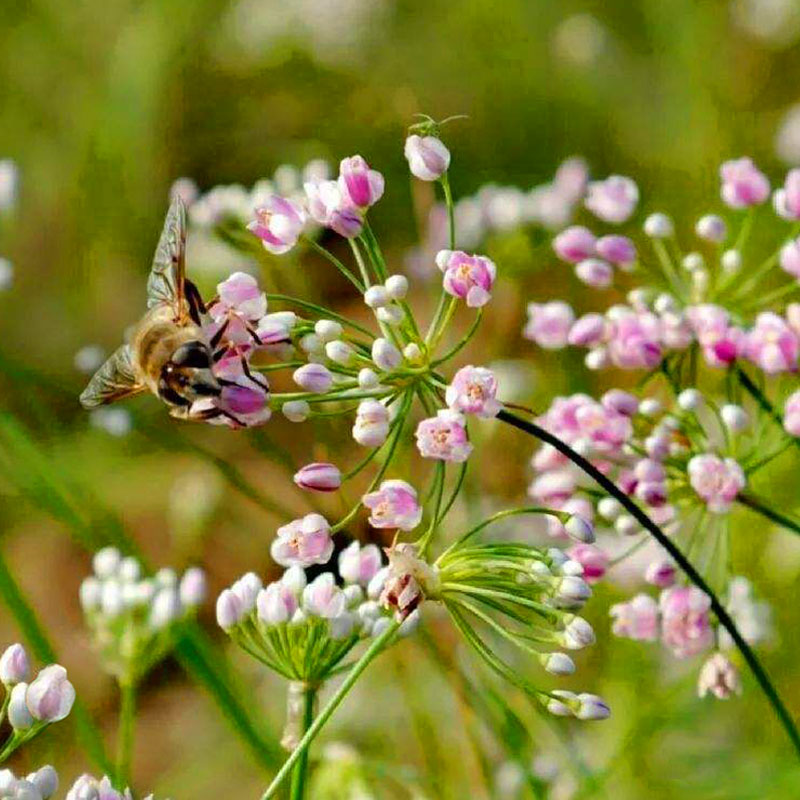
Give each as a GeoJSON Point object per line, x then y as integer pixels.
{"type": "Point", "coordinates": [187, 376]}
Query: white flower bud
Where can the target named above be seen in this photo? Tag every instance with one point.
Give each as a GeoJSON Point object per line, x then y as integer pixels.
{"type": "Point", "coordinates": [397, 286]}
{"type": "Point", "coordinates": [650, 407]}
{"type": "Point", "coordinates": [367, 378]}
{"type": "Point", "coordinates": [665, 303]}
{"type": "Point", "coordinates": [638, 297]}
{"type": "Point", "coordinates": [295, 580]}
{"type": "Point", "coordinates": [734, 417]}
{"type": "Point", "coordinates": [597, 358]}
{"type": "Point", "coordinates": [609, 508]}
{"type": "Point", "coordinates": [731, 261]}
{"type": "Point", "coordinates": [577, 634]}
{"type": "Point", "coordinates": [693, 261]}
{"type": "Point", "coordinates": [327, 330]}
{"type": "Point", "coordinates": [166, 608]}
{"type": "Point", "coordinates": [379, 627]}
{"type": "Point", "coordinates": [712, 228]}
{"type": "Point", "coordinates": [410, 624]}
{"type": "Point", "coordinates": [375, 586]}
{"type": "Point", "coordinates": [572, 567]}
{"type": "Point", "coordinates": [385, 355]}
{"type": "Point", "coordinates": [112, 601]}
{"type": "Point", "coordinates": [229, 609]}
{"type": "Point", "coordinates": [106, 562]}
{"type": "Point", "coordinates": [166, 576]}
{"type": "Point", "coordinates": [557, 557]}
{"type": "Point", "coordinates": [558, 663]}
{"type": "Point", "coordinates": [369, 611]}
{"type": "Point", "coordinates": [19, 715]}
{"type": "Point", "coordinates": [340, 352]}
{"type": "Point", "coordinates": [296, 410]}
{"type": "Point", "coordinates": [247, 589]}
{"type": "Point", "coordinates": [390, 315]}
{"type": "Point", "coordinates": [592, 707]}
{"type": "Point", "coordinates": [193, 587]}
{"type": "Point", "coordinates": [412, 353]}
{"type": "Point", "coordinates": [372, 424]}
{"type": "Point", "coordinates": [540, 569]}
{"type": "Point", "coordinates": [14, 665]}
{"type": "Point", "coordinates": [700, 279]}
{"type": "Point", "coordinates": [376, 297]}
{"type": "Point", "coordinates": [579, 529]}
{"type": "Point", "coordinates": [626, 525]}
{"type": "Point", "coordinates": [690, 400]}
{"type": "Point", "coordinates": [311, 343]}
{"type": "Point", "coordinates": [45, 780]}
{"type": "Point", "coordinates": [560, 705]}
{"type": "Point", "coordinates": [341, 626]}
{"type": "Point", "coordinates": [353, 595]}
{"type": "Point", "coordinates": [573, 589]}
{"type": "Point", "coordinates": [129, 569]}
{"type": "Point", "coordinates": [658, 226]}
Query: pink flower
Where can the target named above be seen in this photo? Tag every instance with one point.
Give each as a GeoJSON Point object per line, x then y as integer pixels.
{"type": "Point", "coordinates": [716, 480]}
{"type": "Point", "coordinates": [772, 344]}
{"type": "Point", "coordinates": [575, 244]}
{"type": "Point", "coordinates": [549, 324]}
{"type": "Point", "coordinates": [719, 676]}
{"type": "Point", "coordinates": [394, 505]}
{"type": "Point", "coordinates": [620, 402]}
{"type": "Point", "coordinates": [685, 625]}
{"type": "Point", "coordinates": [791, 414]}
{"type": "Point", "coordinates": [428, 158]}
{"type": "Point", "coordinates": [278, 223]}
{"type": "Point", "coordinates": [790, 257]}
{"type": "Point", "coordinates": [593, 560]}
{"type": "Point", "coordinates": [619, 250]}
{"type": "Point", "coordinates": [360, 186]}
{"type": "Point", "coordinates": [328, 207]}
{"type": "Point", "coordinates": [587, 331]}
{"type": "Point", "coordinates": [245, 404]}
{"type": "Point", "coordinates": [303, 542]}
{"type": "Point", "coordinates": [635, 341]}
{"type": "Point", "coordinates": [359, 564]}
{"type": "Point", "coordinates": [239, 294]}
{"type": "Point", "coordinates": [315, 378]}
{"type": "Point", "coordinates": [743, 185]}
{"type": "Point", "coordinates": [50, 695]}
{"type": "Point", "coordinates": [444, 437]}
{"type": "Point", "coordinates": [787, 199]}
{"type": "Point", "coordinates": [553, 488]}
{"type": "Point", "coordinates": [660, 573]}
{"type": "Point", "coordinates": [612, 200]}
{"type": "Point", "coordinates": [637, 619]}
{"type": "Point", "coordinates": [323, 598]}
{"type": "Point", "coordinates": [474, 391]}
{"type": "Point", "coordinates": [319, 477]}
{"type": "Point", "coordinates": [571, 178]}
{"type": "Point", "coordinates": [595, 272]}
{"type": "Point", "coordinates": [276, 604]}
{"type": "Point", "coordinates": [467, 277]}
{"type": "Point", "coordinates": [722, 343]}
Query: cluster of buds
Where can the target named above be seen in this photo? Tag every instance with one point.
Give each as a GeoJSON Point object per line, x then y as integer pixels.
{"type": "Point", "coordinates": [89, 788]}
{"type": "Point", "coordinates": [133, 618]}
{"type": "Point", "coordinates": [528, 597]}
{"type": "Point", "coordinates": [304, 630]}
{"type": "Point", "coordinates": [710, 298]}
{"type": "Point", "coordinates": [39, 785]}
{"type": "Point", "coordinates": [31, 706]}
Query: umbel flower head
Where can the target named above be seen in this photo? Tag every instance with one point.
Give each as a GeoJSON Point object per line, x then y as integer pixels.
{"type": "Point", "coordinates": [133, 618]}
{"type": "Point", "coordinates": [89, 788]}
{"type": "Point", "coordinates": [39, 785]}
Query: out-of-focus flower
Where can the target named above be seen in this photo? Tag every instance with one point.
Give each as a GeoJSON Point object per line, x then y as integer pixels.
{"type": "Point", "coordinates": [467, 277]}
{"type": "Point", "coordinates": [278, 223]}
{"type": "Point", "coordinates": [636, 619]}
{"type": "Point", "coordinates": [89, 358]}
{"type": "Point", "coordinates": [89, 788]}
{"type": "Point", "coordinates": [716, 480]}
{"type": "Point", "coordinates": [6, 273]}
{"type": "Point", "coordinates": [549, 324]}
{"type": "Point", "coordinates": [791, 414]}
{"type": "Point", "coordinates": [720, 677]}
{"type": "Point", "coordinates": [743, 184]}
{"type": "Point", "coordinates": [15, 666]}
{"type": "Point", "coordinates": [444, 437]}
{"type": "Point", "coordinates": [580, 39]}
{"type": "Point", "coordinates": [613, 200]}
{"type": "Point", "coordinates": [660, 573]}
{"type": "Point", "coordinates": [685, 625]}
{"type": "Point", "coordinates": [575, 244]}
{"type": "Point", "coordinates": [618, 250]}
{"type": "Point", "coordinates": [303, 542]}
{"type": "Point", "coordinates": [319, 477]}
{"type": "Point", "coordinates": [787, 137]}
{"type": "Point", "coordinates": [593, 560]}
{"type": "Point", "coordinates": [595, 272]}
{"type": "Point", "coordinates": [787, 198]}
{"type": "Point", "coordinates": [772, 344]}
{"type": "Point", "coordinates": [186, 189]}
{"type": "Point", "coordinates": [474, 391]}
{"type": "Point", "coordinates": [789, 258]}
{"type": "Point", "coordinates": [394, 505]}
{"type": "Point", "coordinates": [9, 184]}
{"type": "Point", "coordinates": [361, 186]}
{"type": "Point", "coordinates": [428, 158]}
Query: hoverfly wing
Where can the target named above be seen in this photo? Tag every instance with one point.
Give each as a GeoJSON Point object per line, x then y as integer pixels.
{"type": "Point", "coordinates": [113, 381]}
{"type": "Point", "coordinates": [166, 282]}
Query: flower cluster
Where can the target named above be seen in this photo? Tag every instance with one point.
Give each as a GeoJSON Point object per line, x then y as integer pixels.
{"type": "Point", "coordinates": [89, 788]}
{"type": "Point", "coordinates": [31, 706]}
{"type": "Point", "coordinates": [132, 618]}
{"type": "Point", "coordinates": [39, 785]}
{"type": "Point", "coordinates": [720, 301]}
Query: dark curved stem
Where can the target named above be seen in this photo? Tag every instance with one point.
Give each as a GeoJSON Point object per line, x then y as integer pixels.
{"type": "Point", "coordinates": [762, 400]}
{"type": "Point", "coordinates": [694, 576]}
{"type": "Point", "coordinates": [756, 505]}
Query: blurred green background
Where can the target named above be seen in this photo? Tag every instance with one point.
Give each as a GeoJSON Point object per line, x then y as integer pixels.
{"type": "Point", "coordinates": [104, 104]}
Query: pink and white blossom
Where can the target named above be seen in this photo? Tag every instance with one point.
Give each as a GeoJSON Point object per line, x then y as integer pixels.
{"type": "Point", "coordinates": [636, 619]}
{"type": "Point", "coordinates": [360, 563]}
{"type": "Point", "coordinates": [444, 437]}
{"type": "Point", "coordinates": [278, 223]}
{"type": "Point", "coordinates": [685, 623]}
{"type": "Point", "coordinates": [360, 186]}
{"type": "Point", "coordinates": [549, 324]}
{"type": "Point", "coordinates": [303, 542]}
{"type": "Point", "coordinates": [276, 604]}
{"type": "Point", "coordinates": [394, 505]}
{"type": "Point", "coordinates": [791, 414]}
{"type": "Point", "coordinates": [618, 250]}
{"type": "Point", "coordinates": [467, 277]}
{"type": "Point", "coordinates": [319, 477]}
{"type": "Point", "coordinates": [743, 184]}
{"type": "Point", "coordinates": [323, 598]}
{"type": "Point", "coordinates": [474, 391]}
{"type": "Point", "coordinates": [772, 344]}
{"type": "Point", "coordinates": [575, 244]}
{"type": "Point", "coordinates": [613, 200]}
{"type": "Point", "coordinates": [428, 157]}
{"type": "Point", "coordinates": [718, 481]}
{"type": "Point", "coordinates": [719, 677]}
{"type": "Point", "coordinates": [787, 198]}
{"type": "Point", "coordinates": [593, 560]}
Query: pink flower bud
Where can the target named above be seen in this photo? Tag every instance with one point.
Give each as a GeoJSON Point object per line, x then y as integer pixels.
{"type": "Point", "coordinates": [743, 185]}
{"type": "Point", "coordinates": [360, 186]}
{"type": "Point", "coordinates": [772, 344]}
{"type": "Point", "coordinates": [549, 324]}
{"type": "Point", "coordinates": [323, 598]}
{"type": "Point", "coordinates": [620, 402]}
{"type": "Point", "coordinates": [686, 627]}
{"type": "Point", "coordinates": [193, 587]}
{"type": "Point", "coordinates": [359, 565]}
{"type": "Point", "coordinates": [575, 244]}
{"type": "Point", "coordinates": [587, 331]}
{"type": "Point", "coordinates": [787, 199]}
{"type": "Point", "coordinates": [319, 477]}
{"type": "Point", "coordinates": [660, 573]}
{"type": "Point", "coordinates": [276, 604]}
{"type": "Point", "coordinates": [50, 696]}
{"type": "Point", "coordinates": [428, 158]}
{"type": "Point", "coordinates": [466, 277]}
{"type": "Point", "coordinates": [612, 200]}
{"type": "Point", "coordinates": [278, 223]}
{"type": "Point", "coordinates": [229, 609]}
{"type": "Point", "coordinates": [474, 391]}
{"type": "Point", "coordinates": [303, 542]}
{"type": "Point", "coordinates": [14, 665]}
{"type": "Point", "coordinates": [619, 250]}
{"type": "Point", "coordinates": [594, 272]}
{"type": "Point", "coordinates": [593, 560]}
{"type": "Point", "coordinates": [637, 619]}
{"type": "Point", "coordinates": [444, 437]}
{"type": "Point", "coordinates": [315, 378]}
{"type": "Point", "coordinates": [394, 505]}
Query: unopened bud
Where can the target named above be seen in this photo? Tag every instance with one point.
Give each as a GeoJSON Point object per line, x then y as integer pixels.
{"type": "Point", "coordinates": [385, 355]}
{"type": "Point", "coordinates": [296, 410]}
{"type": "Point", "coordinates": [376, 297]}
{"type": "Point", "coordinates": [658, 226]}
{"type": "Point", "coordinates": [340, 352]}
{"type": "Point", "coordinates": [327, 330]}
{"type": "Point", "coordinates": [579, 529]}
{"type": "Point", "coordinates": [734, 417]}
{"type": "Point", "coordinates": [14, 665]}
{"type": "Point", "coordinates": [558, 663]}
{"type": "Point", "coordinates": [397, 286]}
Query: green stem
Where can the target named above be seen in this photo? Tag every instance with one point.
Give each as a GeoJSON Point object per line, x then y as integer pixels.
{"type": "Point", "coordinates": [327, 313]}
{"type": "Point", "coordinates": [127, 720]}
{"type": "Point", "coordinates": [677, 555]}
{"type": "Point", "coordinates": [451, 215]}
{"type": "Point", "coordinates": [362, 267]}
{"type": "Point", "coordinates": [369, 656]}
{"type": "Point", "coordinates": [300, 771]}
{"type": "Point", "coordinates": [754, 504]}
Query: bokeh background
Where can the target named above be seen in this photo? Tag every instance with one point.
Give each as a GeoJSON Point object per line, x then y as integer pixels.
{"type": "Point", "coordinates": [104, 104]}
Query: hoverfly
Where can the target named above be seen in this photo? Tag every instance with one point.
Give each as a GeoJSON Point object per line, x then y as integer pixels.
{"type": "Point", "coordinates": [168, 353]}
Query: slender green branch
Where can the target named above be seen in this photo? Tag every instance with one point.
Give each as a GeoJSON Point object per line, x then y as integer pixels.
{"type": "Point", "coordinates": [335, 261]}
{"type": "Point", "coordinates": [677, 555]}
{"type": "Point", "coordinates": [127, 721]}
{"type": "Point", "coordinates": [300, 771]}
{"type": "Point", "coordinates": [754, 504]}
{"type": "Point", "coordinates": [349, 682]}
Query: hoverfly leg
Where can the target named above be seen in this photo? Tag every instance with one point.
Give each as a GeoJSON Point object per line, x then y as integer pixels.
{"type": "Point", "coordinates": [256, 338]}
{"type": "Point", "coordinates": [216, 338]}
{"type": "Point", "coordinates": [259, 381]}
{"type": "Point", "coordinates": [197, 308]}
